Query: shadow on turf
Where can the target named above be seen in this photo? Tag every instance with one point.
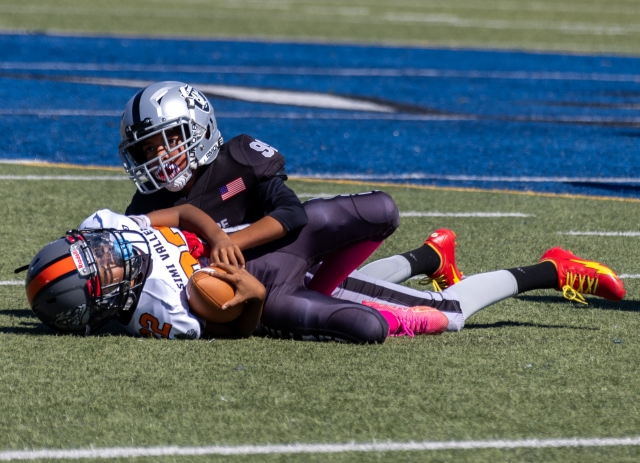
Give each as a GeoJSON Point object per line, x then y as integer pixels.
{"type": "Point", "coordinates": [525, 324]}
{"type": "Point", "coordinates": [594, 303]}
{"type": "Point", "coordinates": [31, 325]}
{"type": "Point", "coordinates": [625, 306]}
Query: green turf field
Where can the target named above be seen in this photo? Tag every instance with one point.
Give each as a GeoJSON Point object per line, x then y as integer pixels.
{"type": "Point", "coordinates": [536, 366]}
{"type": "Point", "coordinates": [574, 25]}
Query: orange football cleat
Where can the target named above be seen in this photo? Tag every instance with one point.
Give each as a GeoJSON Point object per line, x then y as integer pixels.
{"type": "Point", "coordinates": [578, 276]}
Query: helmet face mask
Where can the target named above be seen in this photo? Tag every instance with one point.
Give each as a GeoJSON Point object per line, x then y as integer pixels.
{"type": "Point", "coordinates": [155, 115]}
{"type": "Point", "coordinates": [169, 168]}
{"type": "Point", "coordinates": [78, 283]}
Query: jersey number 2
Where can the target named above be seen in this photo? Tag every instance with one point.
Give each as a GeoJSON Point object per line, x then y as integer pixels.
{"type": "Point", "coordinates": [153, 327]}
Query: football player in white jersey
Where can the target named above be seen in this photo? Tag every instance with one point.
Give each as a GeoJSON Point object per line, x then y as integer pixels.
{"type": "Point", "coordinates": [122, 267]}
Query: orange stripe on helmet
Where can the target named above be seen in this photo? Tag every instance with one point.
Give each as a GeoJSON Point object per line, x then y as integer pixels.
{"type": "Point", "coordinates": [53, 272]}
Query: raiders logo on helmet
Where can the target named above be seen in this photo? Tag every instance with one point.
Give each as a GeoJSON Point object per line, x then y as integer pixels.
{"type": "Point", "coordinates": [198, 98]}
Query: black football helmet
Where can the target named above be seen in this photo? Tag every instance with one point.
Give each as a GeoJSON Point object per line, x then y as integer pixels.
{"type": "Point", "coordinates": [79, 282]}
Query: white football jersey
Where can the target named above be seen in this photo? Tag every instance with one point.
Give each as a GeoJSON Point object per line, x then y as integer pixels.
{"type": "Point", "coordinates": [163, 310]}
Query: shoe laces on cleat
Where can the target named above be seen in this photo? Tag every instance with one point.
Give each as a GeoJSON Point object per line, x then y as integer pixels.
{"type": "Point", "coordinates": [586, 285]}
{"type": "Point", "coordinates": [413, 320]}
{"type": "Point", "coordinates": [422, 320]}
{"type": "Point", "coordinates": [439, 282]}
{"type": "Point", "coordinates": [571, 294]}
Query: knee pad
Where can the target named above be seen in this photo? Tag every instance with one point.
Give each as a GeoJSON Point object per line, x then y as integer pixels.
{"type": "Point", "coordinates": [357, 324]}
{"type": "Point", "coordinates": [353, 324]}
{"type": "Point", "coordinates": [378, 207]}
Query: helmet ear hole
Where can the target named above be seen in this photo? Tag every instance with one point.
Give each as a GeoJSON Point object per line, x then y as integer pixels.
{"type": "Point", "coordinates": [208, 134]}
{"type": "Point", "coordinates": [52, 301]}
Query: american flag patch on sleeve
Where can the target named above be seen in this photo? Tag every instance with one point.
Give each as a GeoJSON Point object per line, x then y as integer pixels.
{"type": "Point", "coordinates": [232, 188]}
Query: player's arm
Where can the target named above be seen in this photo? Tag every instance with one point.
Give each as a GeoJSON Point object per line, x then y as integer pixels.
{"type": "Point", "coordinates": [189, 217]}
{"type": "Point", "coordinates": [283, 212]}
{"type": "Point", "coordinates": [248, 290]}
{"type": "Point", "coordinates": [263, 231]}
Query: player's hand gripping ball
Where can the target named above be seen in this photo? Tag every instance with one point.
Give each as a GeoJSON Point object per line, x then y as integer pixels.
{"type": "Point", "coordinates": [207, 294]}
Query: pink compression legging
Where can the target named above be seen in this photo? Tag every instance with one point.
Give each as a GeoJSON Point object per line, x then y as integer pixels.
{"type": "Point", "coordinates": [337, 266]}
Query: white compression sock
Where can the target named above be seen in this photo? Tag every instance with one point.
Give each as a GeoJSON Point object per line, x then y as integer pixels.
{"type": "Point", "coordinates": [394, 269]}
{"type": "Point", "coordinates": [479, 291]}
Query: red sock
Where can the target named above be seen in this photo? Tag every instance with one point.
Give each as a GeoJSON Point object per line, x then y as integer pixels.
{"type": "Point", "coordinates": [337, 266]}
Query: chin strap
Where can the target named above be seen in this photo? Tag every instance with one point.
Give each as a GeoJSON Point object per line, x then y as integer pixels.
{"type": "Point", "coordinates": [178, 183]}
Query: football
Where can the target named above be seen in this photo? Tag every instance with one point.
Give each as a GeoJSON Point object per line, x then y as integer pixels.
{"type": "Point", "coordinates": [206, 294]}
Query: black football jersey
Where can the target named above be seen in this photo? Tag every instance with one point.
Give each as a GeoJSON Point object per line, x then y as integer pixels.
{"type": "Point", "coordinates": [227, 188]}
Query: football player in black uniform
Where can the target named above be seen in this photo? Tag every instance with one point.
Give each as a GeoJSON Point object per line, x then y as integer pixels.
{"type": "Point", "coordinates": [171, 147]}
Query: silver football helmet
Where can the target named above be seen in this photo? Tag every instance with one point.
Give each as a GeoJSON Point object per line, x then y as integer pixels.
{"type": "Point", "coordinates": [175, 118]}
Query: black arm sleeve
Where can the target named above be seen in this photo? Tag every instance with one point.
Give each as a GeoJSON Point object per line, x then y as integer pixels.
{"type": "Point", "coordinates": [281, 203]}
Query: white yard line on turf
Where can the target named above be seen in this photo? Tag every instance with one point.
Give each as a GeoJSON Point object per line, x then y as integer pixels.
{"type": "Point", "coordinates": [327, 71]}
{"type": "Point", "coordinates": [19, 161]}
{"type": "Point", "coordinates": [12, 283]}
{"type": "Point", "coordinates": [430, 213]}
{"type": "Point", "coordinates": [560, 26]}
{"type": "Point", "coordinates": [133, 452]}
{"type": "Point", "coordinates": [464, 214]}
{"type": "Point", "coordinates": [600, 233]}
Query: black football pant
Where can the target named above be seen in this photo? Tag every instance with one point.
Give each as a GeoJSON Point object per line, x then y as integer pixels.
{"type": "Point", "coordinates": [293, 311]}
